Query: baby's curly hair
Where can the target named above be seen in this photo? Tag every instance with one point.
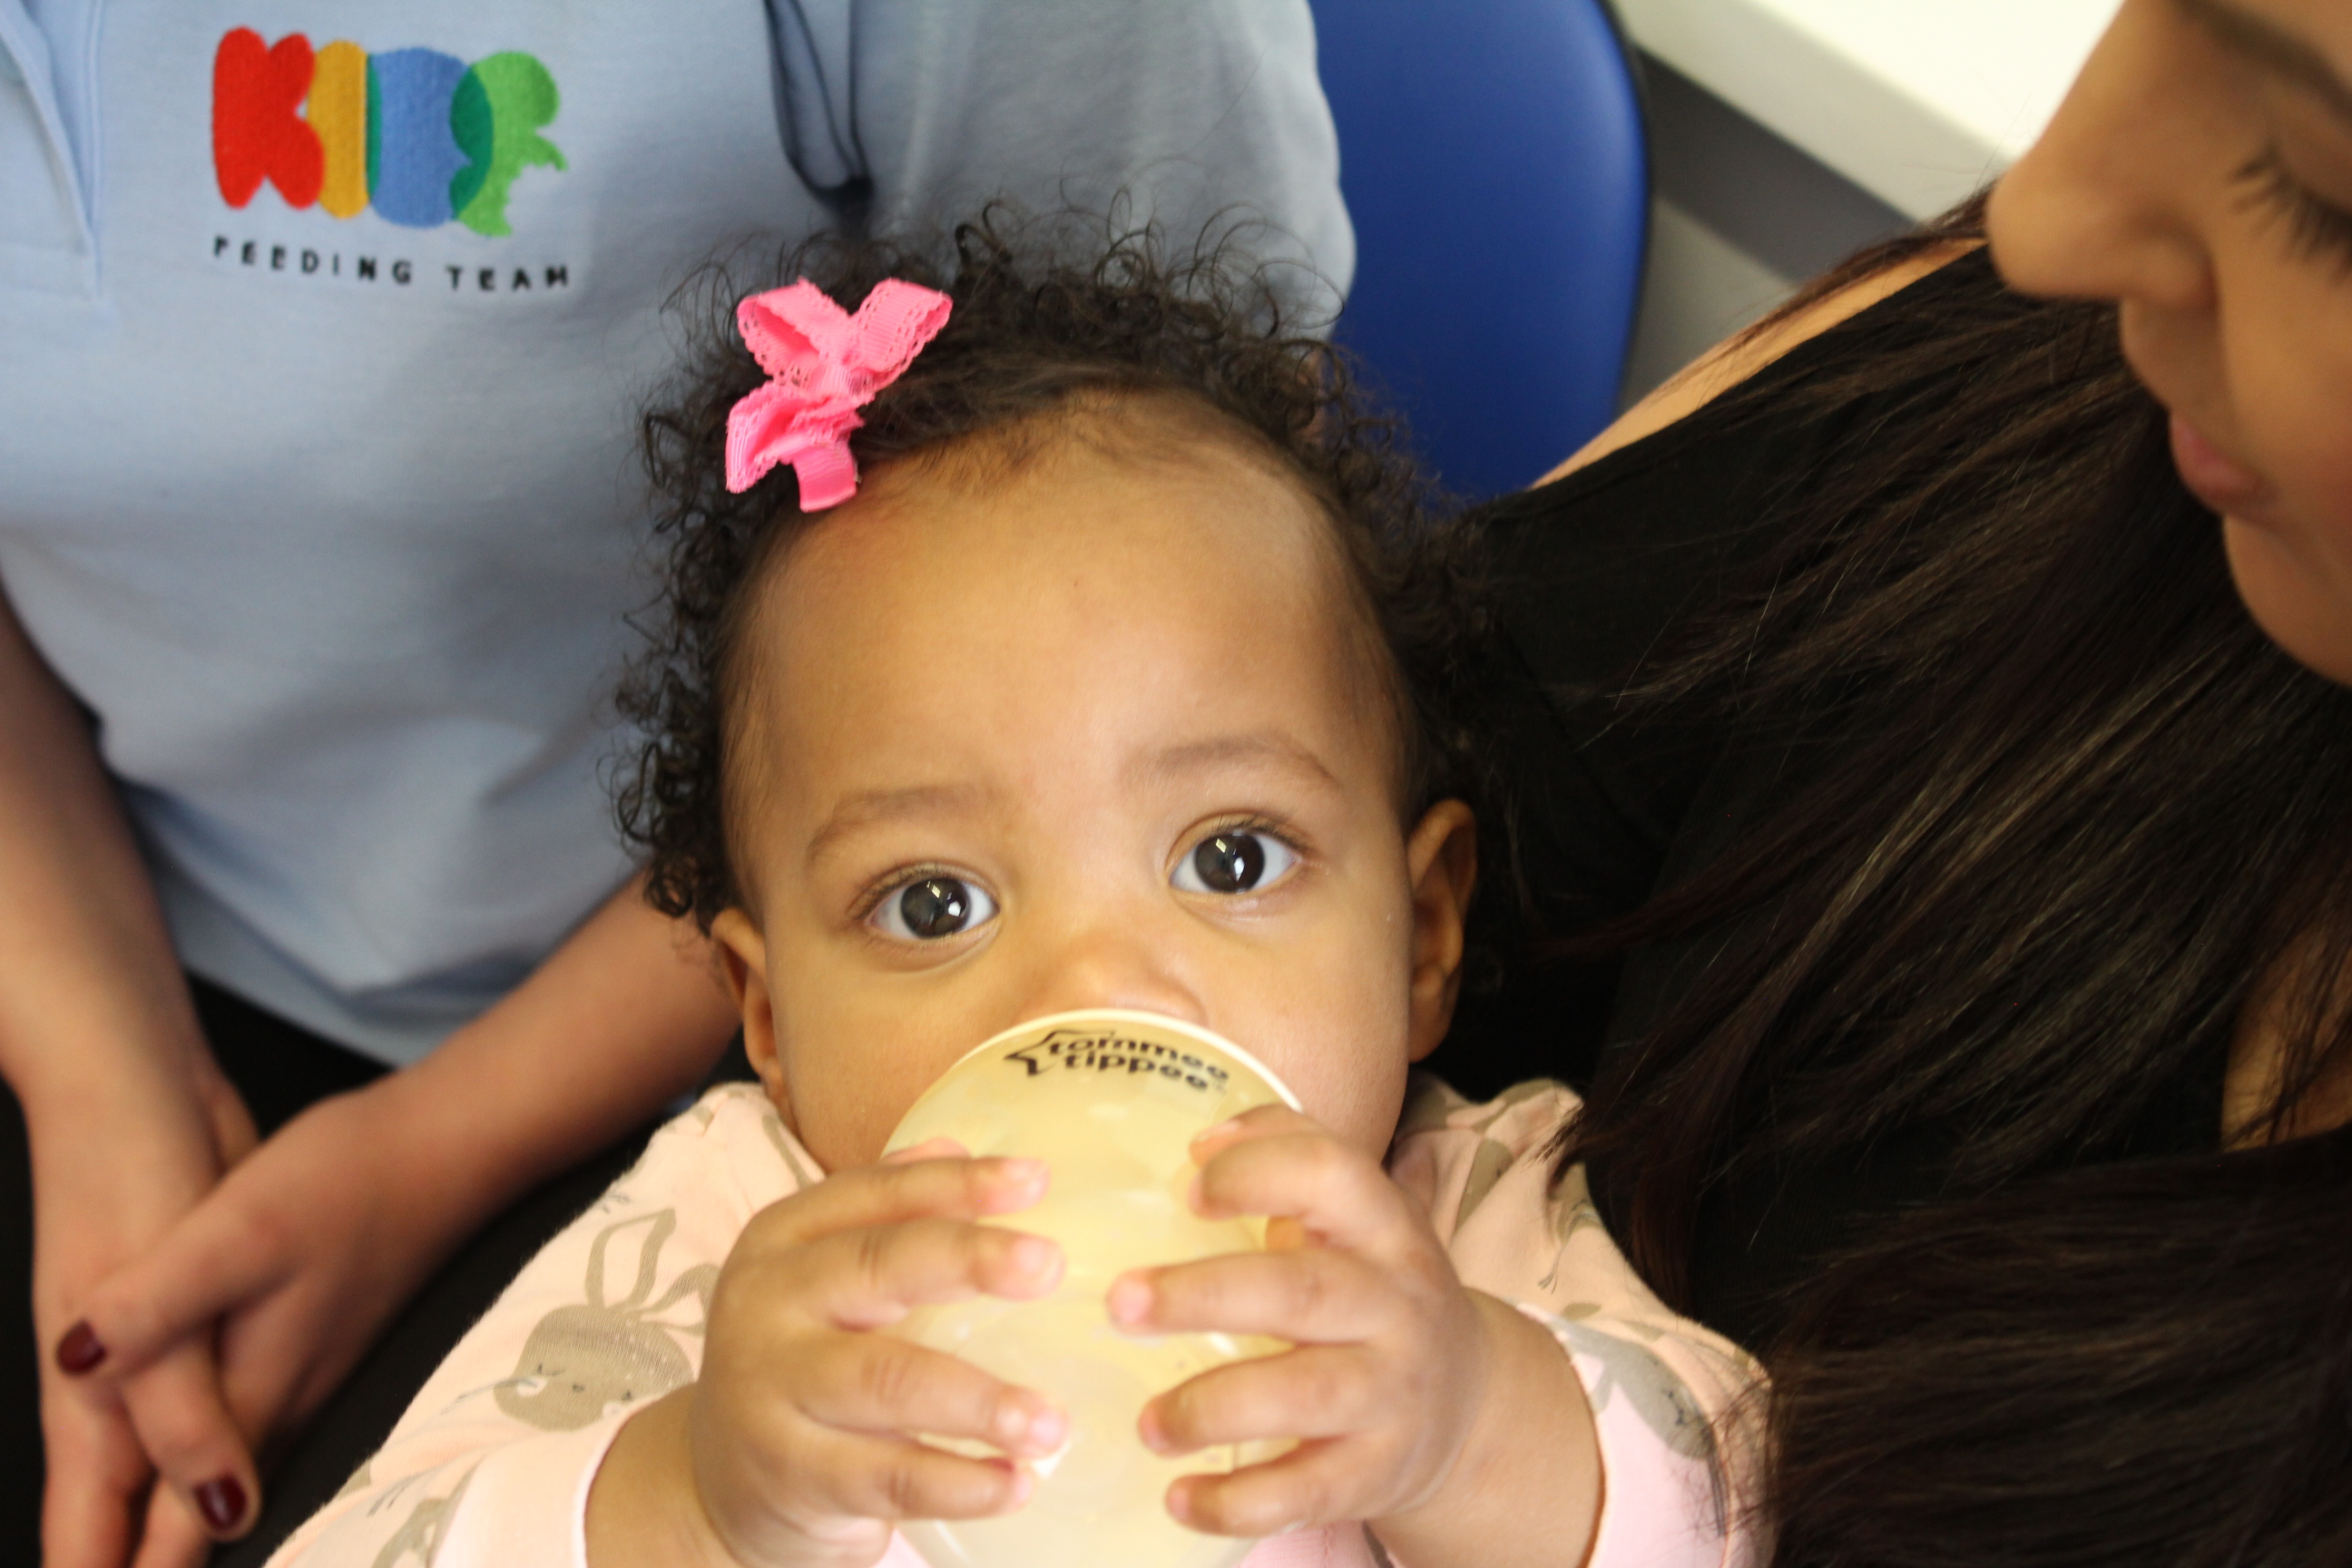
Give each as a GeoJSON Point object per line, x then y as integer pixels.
{"type": "Point", "coordinates": [1049, 317]}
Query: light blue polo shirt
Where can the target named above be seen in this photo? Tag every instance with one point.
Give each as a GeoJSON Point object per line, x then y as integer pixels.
{"type": "Point", "coordinates": [324, 327]}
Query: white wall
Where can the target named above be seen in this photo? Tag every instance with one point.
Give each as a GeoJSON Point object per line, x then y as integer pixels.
{"type": "Point", "coordinates": [1787, 132]}
{"type": "Point", "coordinates": [1740, 216]}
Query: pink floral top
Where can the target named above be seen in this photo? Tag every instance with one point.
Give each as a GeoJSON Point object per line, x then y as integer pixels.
{"type": "Point", "coordinates": [491, 1466]}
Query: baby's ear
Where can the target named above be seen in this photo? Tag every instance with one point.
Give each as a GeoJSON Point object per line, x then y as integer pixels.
{"type": "Point", "coordinates": [743, 961]}
{"type": "Point", "coordinates": [1442, 860]}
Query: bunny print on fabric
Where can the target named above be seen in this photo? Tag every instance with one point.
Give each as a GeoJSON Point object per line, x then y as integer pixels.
{"type": "Point", "coordinates": [581, 1361]}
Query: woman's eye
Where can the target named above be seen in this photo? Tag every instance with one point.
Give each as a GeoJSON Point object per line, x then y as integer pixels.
{"type": "Point", "coordinates": [2314, 228]}
{"type": "Point", "coordinates": [932, 908]}
{"type": "Point", "coordinates": [1234, 861]}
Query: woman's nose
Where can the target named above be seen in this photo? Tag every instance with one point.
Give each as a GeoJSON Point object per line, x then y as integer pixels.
{"type": "Point", "coordinates": [1124, 963]}
{"type": "Point", "coordinates": [2110, 203]}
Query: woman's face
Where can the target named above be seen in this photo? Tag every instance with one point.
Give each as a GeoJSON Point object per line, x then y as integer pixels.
{"type": "Point", "coordinates": [2200, 175]}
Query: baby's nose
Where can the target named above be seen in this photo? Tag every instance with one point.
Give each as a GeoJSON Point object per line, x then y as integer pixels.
{"type": "Point", "coordinates": [1113, 965]}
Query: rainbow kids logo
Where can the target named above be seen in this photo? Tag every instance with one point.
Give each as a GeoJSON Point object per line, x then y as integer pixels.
{"type": "Point", "coordinates": [420, 136]}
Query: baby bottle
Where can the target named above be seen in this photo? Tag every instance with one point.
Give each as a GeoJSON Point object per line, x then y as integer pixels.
{"type": "Point", "coordinates": [1110, 1100]}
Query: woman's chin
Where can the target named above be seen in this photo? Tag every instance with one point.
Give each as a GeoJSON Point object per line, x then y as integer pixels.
{"type": "Point", "coordinates": [2302, 605]}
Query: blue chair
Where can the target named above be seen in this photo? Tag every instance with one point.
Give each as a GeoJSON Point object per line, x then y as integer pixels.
{"type": "Point", "coordinates": [1493, 158]}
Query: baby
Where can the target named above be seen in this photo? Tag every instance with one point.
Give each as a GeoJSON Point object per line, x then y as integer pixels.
{"type": "Point", "coordinates": [1061, 639]}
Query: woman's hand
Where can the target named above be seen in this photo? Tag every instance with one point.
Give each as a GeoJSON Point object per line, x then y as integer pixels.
{"type": "Point", "coordinates": [128, 1118]}
{"type": "Point", "coordinates": [1391, 1358]}
{"type": "Point", "coordinates": [291, 1263]}
{"type": "Point", "coordinates": [118, 1157]}
{"type": "Point", "coordinates": [285, 1270]}
{"type": "Point", "coordinates": [797, 1446]}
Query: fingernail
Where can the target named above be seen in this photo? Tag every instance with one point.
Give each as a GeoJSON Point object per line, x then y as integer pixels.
{"type": "Point", "coordinates": [1129, 1300]}
{"type": "Point", "coordinates": [1023, 1483]}
{"type": "Point", "coordinates": [222, 1502]}
{"type": "Point", "coordinates": [80, 1350]}
{"type": "Point", "coordinates": [1192, 1195]}
{"type": "Point", "coordinates": [1018, 1427]}
{"type": "Point", "coordinates": [1022, 1170]}
{"type": "Point", "coordinates": [1147, 1426]}
{"type": "Point", "coordinates": [1008, 1426]}
{"type": "Point", "coordinates": [1049, 1430]}
{"type": "Point", "coordinates": [1034, 1256]}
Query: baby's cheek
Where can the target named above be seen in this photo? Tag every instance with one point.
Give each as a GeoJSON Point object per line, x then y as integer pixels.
{"type": "Point", "coordinates": [1374, 1056]}
{"type": "Point", "coordinates": [1326, 1006]}
{"type": "Point", "coordinates": [1374, 1099]}
{"type": "Point", "coordinates": [1349, 1074]}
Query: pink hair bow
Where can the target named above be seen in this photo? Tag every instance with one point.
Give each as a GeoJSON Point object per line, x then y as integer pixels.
{"type": "Point", "coordinates": [823, 364]}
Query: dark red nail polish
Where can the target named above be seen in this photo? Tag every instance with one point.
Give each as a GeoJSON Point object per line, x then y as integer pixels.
{"type": "Point", "coordinates": [222, 1502]}
{"type": "Point", "coordinates": [80, 1350]}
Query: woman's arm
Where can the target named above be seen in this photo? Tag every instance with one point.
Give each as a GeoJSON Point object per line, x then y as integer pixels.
{"type": "Point", "coordinates": [129, 1118]}
{"type": "Point", "coordinates": [318, 1237]}
{"type": "Point", "coordinates": [305, 1249]}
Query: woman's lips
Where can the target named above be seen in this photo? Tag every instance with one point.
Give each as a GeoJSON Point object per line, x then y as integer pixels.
{"type": "Point", "coordinates": [2218, 480]}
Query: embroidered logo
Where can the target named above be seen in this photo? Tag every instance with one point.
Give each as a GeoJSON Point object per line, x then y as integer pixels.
{"type": "Point", "coordinates": [420, 136]}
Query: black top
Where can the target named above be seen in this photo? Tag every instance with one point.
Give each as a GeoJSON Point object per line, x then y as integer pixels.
{"type": "Point", "coordinates": [1594, 569]}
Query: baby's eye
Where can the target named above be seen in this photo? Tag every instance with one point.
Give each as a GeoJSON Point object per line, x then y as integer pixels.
{"type": "Point", "coordinates": [1237, 861]}
{"type": "Point", "coordinates": [932, 908]}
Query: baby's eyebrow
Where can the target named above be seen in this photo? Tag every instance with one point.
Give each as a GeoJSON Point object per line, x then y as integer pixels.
{"type": "Point", "coordinates": [1222, 751]}
{"type": "Point", "coordinates": [868, 807]}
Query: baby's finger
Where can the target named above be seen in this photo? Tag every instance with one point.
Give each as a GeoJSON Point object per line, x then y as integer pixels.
{"type": "Point", "coordinates": [1314, 1483]}
{"type": "Point", "coordinates": [869, 1278]}
{"type": "Point", "coordinates": [1325, 1391]}
{"type": "Point", "coordinates": [1339, 1194]}
{"type": "Point", "coordinates": [1311, 1297]}
{"type": "Point", "coordinates": [928, 1149]}
{"type": "Point", "coordinates": [886, 1195]}
{"type": "Point", "coordinates": [887, 1385]}
{"type": "Point", "coordinates": [862, 1475]}
{"type": "Point", "coordinates": [1265, 1122]}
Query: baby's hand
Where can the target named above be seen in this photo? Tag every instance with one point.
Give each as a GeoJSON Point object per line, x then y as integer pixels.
{"type": "Point", "coordinates": [1391, 1353]}
{"type": "Point", "coordinates": [801, 1425]}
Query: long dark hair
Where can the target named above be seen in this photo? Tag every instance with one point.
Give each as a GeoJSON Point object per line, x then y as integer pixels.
{"type": "Point", "coordinates": [2068, 818]}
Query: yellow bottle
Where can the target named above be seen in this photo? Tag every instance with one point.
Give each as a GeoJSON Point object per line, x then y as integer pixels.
{"type": "Point", "coordinates": [1111, 1101]}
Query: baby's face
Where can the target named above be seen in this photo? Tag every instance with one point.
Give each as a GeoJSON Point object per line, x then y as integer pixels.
{"type": "Point", "coordinates": [1100, 734]}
